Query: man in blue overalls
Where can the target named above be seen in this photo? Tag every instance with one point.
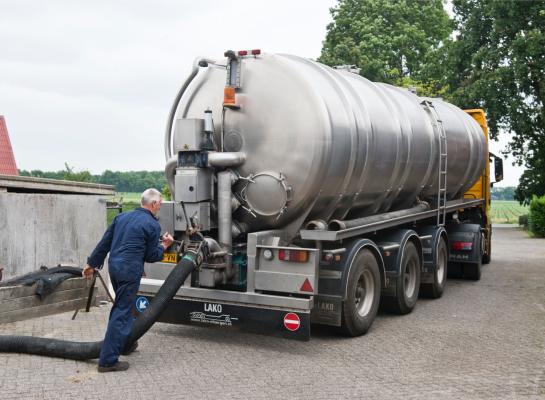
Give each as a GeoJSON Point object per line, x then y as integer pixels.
{"type": "Point", "coordinates": [132, 239]}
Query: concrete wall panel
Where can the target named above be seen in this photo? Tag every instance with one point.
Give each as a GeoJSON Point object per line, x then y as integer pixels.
{"type": "Point", "coordinates": [48, 229]}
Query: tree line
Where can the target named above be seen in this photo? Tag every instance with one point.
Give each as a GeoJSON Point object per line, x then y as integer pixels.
{"type": "Point", "coordinates": [124, 181]}
{"type": "Point", "coordinates": [489, 55]}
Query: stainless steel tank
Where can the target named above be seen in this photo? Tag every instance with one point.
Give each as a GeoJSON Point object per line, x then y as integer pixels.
{"type": "Point", "coordinates": [325, 143]}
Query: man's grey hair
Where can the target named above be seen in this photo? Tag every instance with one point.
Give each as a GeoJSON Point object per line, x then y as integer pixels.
{"type": "Point", "coordinates": [150, 195]}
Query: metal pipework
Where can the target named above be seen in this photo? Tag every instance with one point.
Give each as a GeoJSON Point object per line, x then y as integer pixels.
{"type": "Point", "coordinates": [225, 272]}
{"type": "Point", "coordinates": [170, 171]}
{"type": "Point", "coordinates": [225, 220]}
{"type": "Point", "coordinates": [338, 225]}
{"type": "Point", "coordinates": [199, 62]}
{"type": "Point", "coordinates": [220, 159]}
{"type": "Point", "coordinates": [317, 225]}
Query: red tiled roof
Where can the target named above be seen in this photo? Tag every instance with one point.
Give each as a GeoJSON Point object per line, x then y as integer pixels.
{"type": "Point", "coordinates": [7, 159]}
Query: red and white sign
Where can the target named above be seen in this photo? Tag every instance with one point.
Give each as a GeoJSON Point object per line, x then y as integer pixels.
{"type": "Point", "coordinates": [292, 321]}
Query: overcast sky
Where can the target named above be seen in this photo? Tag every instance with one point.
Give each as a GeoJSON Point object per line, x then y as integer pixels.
{"type": "Point", "coordinates": [90, 83]}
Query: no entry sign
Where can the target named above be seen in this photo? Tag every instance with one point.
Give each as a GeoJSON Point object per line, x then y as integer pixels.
{"type": "Point", "coordinates": [292, 321]}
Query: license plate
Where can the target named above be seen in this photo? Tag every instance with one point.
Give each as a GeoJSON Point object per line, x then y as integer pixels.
{"type": "Point", "coordinates": [170, 258]}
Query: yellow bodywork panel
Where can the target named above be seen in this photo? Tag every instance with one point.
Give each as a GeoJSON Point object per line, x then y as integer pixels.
{"type": "Point", "coordinates": [481, 188]}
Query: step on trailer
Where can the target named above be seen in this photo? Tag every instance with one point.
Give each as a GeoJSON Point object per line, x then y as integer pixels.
{"type": "Point", "coordinates": [317, 195]}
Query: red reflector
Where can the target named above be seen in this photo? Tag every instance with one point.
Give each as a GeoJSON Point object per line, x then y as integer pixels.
{"type": "Point", "coordinates": [256, 52]}
{"type": "Point", "coordinates": [306, 287]}
{"type": "Point", "coordinates": [462, 246]}
{"type": "Point", "coordinates": [243, 52]}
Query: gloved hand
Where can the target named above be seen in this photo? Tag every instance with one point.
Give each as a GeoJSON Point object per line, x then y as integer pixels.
{"type": "Point", "coordinates": [167, 240]}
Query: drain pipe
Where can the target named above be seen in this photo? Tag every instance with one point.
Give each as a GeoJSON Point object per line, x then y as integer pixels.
{"type": "Point", "coordinates": [226, 179]}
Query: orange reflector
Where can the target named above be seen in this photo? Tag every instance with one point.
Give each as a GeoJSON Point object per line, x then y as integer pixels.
{"type": "Point", "coordinates": [229, 95]}
{"type": "Point", "coordinates": [306, 287]}
{"type": "Point", "coordinates": [293, 255]}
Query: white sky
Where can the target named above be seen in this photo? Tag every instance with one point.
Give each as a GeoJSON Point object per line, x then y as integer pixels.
{"type": "Point", "coordinates": [90, 83]}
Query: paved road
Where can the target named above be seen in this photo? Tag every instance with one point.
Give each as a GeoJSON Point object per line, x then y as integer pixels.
{"type": "Point", "coordinates": [482, 340]}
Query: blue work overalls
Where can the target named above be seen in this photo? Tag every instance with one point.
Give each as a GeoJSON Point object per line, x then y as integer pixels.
{"type": "Point", "coordinates": [131, 239]}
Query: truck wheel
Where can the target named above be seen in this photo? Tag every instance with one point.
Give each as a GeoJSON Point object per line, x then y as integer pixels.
{"type": "Point", "coordinates": [363, 295]}
{"type": "Point", "coordinates": [408, 282]}
{"type": "Point", "coordinates": [435, 290]}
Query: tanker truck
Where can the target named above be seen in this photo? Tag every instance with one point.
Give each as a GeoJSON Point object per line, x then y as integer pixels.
{"type": "Point", "coordinates": [318, 195]}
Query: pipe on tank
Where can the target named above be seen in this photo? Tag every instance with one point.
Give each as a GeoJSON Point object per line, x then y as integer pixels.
{"type": "Point", "coordinates": [317, 225]}
{"type": "Point", "coordinates": [226, 159]}
{"type": "Point", "coordinates": [226, 179]}
{"type": "Point", "coordinates": [337, 225]}
{"type": "Point", "coordinates": [199, 62]}
{"type": "Point", "coordinates": [170, 171]}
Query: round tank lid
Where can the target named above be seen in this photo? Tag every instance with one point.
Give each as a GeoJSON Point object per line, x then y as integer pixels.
{"type": "Point", "coordinates": [266, 193]}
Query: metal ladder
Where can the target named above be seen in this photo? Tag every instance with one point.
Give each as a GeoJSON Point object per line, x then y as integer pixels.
{"type": "Point", "coordinates": [442, 165]}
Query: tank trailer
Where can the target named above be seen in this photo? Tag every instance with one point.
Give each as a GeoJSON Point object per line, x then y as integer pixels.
{"type": "Point", "coordinates": [318, 195]}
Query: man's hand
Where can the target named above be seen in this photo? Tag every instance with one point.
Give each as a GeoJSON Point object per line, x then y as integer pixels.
{"type": "Point", "coordinates": [167, 240]}
{"type": "Point", "coordinates": [88, 272]}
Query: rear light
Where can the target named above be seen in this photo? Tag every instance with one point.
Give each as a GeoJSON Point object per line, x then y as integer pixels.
{"type": "Point", "coordinates": [256, 52]}
{"type": "Point", "coordinates": [243, 53]}
{"type": "Point", "coordinates": [329, 257]}
{"type": "Point", "coordinates": [462, 246]}
{"type": "Point", "coordinates": [229, 95]}
{"type": "Point", "coordinates": [293, 255]}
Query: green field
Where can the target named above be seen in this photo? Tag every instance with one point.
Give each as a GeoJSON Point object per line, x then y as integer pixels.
{"type": "Point", "coordinates": [507, 212]}
{"type": "Point", "coordinates": [127, 197]}
{"type": "Point", "coordinates": [129, 200]}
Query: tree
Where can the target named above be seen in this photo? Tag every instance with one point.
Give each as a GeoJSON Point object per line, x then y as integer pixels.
{"type": "Point", "coordinates": [389, 40]}
{"type": "Point", "coordinates": [71, 175]}
{"type": "Point", "coordinates": [532, 181]}
{"type": "Point", "coordinates": [497, 62]}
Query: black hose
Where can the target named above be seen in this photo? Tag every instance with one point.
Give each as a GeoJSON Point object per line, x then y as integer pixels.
{"type": "Point", "coordinates": [89, 350]}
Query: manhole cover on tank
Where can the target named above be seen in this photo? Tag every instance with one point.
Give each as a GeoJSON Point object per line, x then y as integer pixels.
{"type": "Point", "coordinates": [267, 193]}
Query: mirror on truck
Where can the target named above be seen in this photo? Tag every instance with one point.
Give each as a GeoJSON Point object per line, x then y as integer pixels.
{"type": "Point", "coordinates": [498, 167]}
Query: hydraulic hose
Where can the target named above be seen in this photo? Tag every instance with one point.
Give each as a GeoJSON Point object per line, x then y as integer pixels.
{"type": "Point", "coordinates": [89, 350]}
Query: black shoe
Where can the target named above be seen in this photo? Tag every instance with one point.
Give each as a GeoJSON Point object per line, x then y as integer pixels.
{"type": "Point", "coordinates": [128, 351]}
{"type": "Point", "coordinates": [118, 366]}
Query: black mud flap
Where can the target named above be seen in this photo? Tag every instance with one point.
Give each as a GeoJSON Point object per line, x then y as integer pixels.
{"type": "Point", "coordinates": [285, 323]}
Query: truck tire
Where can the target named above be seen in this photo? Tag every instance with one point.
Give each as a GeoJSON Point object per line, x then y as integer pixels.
{"type": "Point", "coordinates": [407, 284]}
{"type": "Point", "coordinates": [435, 290]}
{"type": "Point", "coordinates": [363, 295]}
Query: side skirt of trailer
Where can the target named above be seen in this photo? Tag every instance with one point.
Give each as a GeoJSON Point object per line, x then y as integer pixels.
{"type": "Point", "coordinates": [291, 324]}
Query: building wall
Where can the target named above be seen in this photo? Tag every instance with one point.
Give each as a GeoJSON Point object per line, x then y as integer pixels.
{"type": "Point", "coordinates": [48, 229]}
